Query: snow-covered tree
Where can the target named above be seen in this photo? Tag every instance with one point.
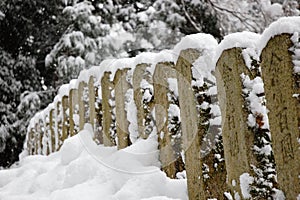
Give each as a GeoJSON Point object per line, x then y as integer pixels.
{"type": "Point", "coordinates": [9, 88]}
{"type": "Point", "coordinates": [104, 29]}
{"type": "Point", "coordinates": [12, 135]}
{"type": "Point", "coordinates": [77, 49]}
{"type": "Point", "coordinates": [29, 105]}
{"type": "Point", "coordinates": [250, 15]}
{"type": "Point", "coordinates": [16, 76]}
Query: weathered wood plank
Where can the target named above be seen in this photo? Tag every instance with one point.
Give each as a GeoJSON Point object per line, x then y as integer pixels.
{"type": "Point", "coordinates": [121, 87]}
{"type": "Point", "coordinates": [284, 111]}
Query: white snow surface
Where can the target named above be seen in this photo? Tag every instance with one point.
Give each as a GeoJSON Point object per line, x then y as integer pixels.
{"type": "Point", "coordinates": [243, 39]}
{"type": "Point", "coordinates": [64, 90]}
{"type": "Point", "coordinates": [246, 180]}
{"type": "Point", "coordinates": [72, 84]}
{"type": "Point", "coordinates": [283, 25]}
{"type": "Point", "coordinates": [195, 41]}
{"type": "Point", "coordinates": [82, 170]}
{"type": "Point", "coordinates": [131, 113]}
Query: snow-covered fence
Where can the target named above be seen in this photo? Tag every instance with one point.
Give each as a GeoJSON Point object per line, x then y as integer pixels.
{"type": "Point", "coordinates": [259, 152]}
{"type": "Point", "coordinates": [172, 95]}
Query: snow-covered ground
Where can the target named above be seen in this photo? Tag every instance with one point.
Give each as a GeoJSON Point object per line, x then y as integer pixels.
{"type": "Point", "coordinates": [83, 170]}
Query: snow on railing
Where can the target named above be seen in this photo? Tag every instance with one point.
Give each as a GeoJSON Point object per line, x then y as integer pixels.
{"type": "Point", "coordinates": [227, 114]}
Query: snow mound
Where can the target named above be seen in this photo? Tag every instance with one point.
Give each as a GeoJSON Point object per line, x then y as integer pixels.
{"type": "Point", "coordinates": [84, 170]}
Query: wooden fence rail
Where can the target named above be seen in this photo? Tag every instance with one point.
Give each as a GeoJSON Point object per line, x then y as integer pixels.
{"type": "Point", "coordinates": [225, 140]}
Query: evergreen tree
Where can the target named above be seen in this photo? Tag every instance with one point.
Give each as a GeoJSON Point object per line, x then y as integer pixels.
{"type": "Point", "coordinates": [9, 88]}
{"type": "Point", "coordinates": [16, 76]}
{"type": "Point", "coordinates": [31, 27]}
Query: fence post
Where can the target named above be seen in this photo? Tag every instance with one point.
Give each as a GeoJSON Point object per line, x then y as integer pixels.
{"type": "Point", "coordinates": [196, 127]}
{"type": "Point", "coordinates": [284, 111]}
{"type": "Point", "coordinates": [81, 104]}
{"type": "Point", "coordinates": [47, 140]}
{"type": "Point", "coordinates": [30, 141]}
{"type": "Point", "coordinates": [238, 138]}
{"type": "Point", "coordinates": [189, 123]}
{"type": "Point", "coordinates": [92, 98]}
{"type": "Point", "coordinates": [37, 137]}
{"type": "Point", "coordinates": [107, 87]}
{"type": "Point", "coordinates": [73, 102]}
{"type": "Point", "coordinates": [46, 133]}
{"type": "Point", "coordinates": [140, 74]}
{"type": "Point", "coordinates": [163, 71]}
{"type": "Point", "coordinates": [58, 125]}
{"type": "Point", "coordinates": [52, 125]}
{"type": "Point", "coordinates": [41, 135]}
{"type": "Point", "coordinates": [121, 87]}
{"type": "Point", "coordinates": [35, 141]}
{"type": "Point", "coordinates": [98, 115]}
{"type": "Point", "coordinates": [65, 118]}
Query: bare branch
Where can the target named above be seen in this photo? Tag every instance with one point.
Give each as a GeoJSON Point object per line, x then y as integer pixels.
{"type": "Point", "coordinates": [240, 16]}
{"type": "Point", "coordinates": [189, 18]}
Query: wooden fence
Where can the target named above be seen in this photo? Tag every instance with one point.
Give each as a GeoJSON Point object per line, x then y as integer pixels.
{"type": "Point", "coordinates": [251, 146]}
